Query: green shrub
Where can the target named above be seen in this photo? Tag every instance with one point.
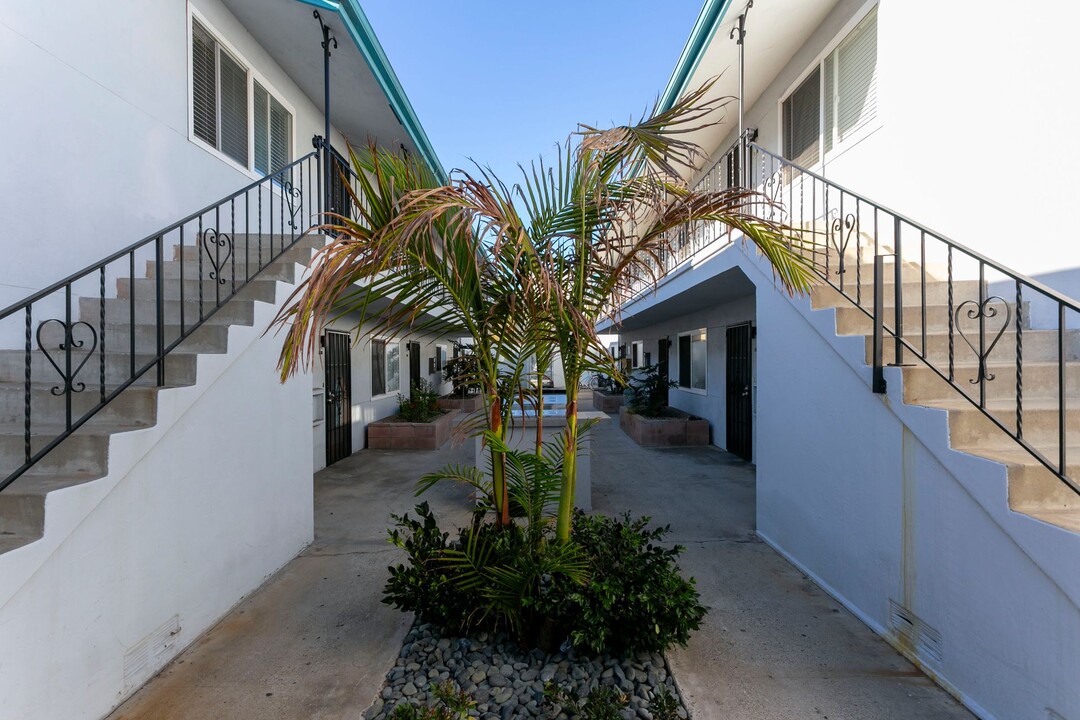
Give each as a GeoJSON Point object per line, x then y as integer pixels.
{"type": "Point", "coordinates": [422, 405]}
{"type": "Point", "coordinates": [647, 391]}
{"type": "Point", "coordinates": [663, 705]}
{"type": "Point", "coordinates": [464, 372]}
{"type": "Point", "coordinates": [452, 703]}
{"type": "Point", "coordinates": [603, 703]}
{"type": "Point", "coordinates": [635, 599]}
{"type": "Point", "coordinates": [420, 584]}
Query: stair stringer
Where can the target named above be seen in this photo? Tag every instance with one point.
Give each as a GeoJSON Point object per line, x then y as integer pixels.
{"type": "Point", "coordinates": [1030, 631]}
{"type": "Point", "coordinates": [34, 614]}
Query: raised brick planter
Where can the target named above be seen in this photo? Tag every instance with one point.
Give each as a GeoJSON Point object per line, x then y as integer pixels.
{"type": "Point", "coordinates": [681, 429]}
{"type": "Point", "coordinates": [393, 434]}
{"type": "Point", "coordinates": [469, 403]}
{"type": "Point", "coordinates": [607, 402]}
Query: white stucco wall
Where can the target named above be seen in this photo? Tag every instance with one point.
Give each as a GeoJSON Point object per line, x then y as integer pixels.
{"type": "Point", "coordinates": [96, 123]}
{"type": "Point", "coordinates": [863, 493]}
{"type": "Point", "coordinates": [195, 513]}
{"type": "Point", "coordinates": [973, 124]}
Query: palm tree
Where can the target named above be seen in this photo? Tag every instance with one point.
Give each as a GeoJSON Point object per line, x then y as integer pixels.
{"type": "Point", "coordinates": [590, 229]}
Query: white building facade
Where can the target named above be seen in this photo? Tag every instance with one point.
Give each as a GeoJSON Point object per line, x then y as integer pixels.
{"type": "Point", "coordinates": [159, 512]}
{"type": "Point", "coordinates": [936, 499]}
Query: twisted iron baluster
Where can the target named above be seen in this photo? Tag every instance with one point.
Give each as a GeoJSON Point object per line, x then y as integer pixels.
{"type": "Point", "coordinates": [101, 325]}
{"type": "Point", "coordinates": [952, 374]}
{"type": "Point", "coordinates": [1019, 361]}
{"type": "Point", "coordinates": [26, 386]}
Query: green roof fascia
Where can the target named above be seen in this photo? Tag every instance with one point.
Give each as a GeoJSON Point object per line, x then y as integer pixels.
{"type": "Point", "coordinates": [709, 19]}
{"type": "Point", "coordinates": [363, 36]}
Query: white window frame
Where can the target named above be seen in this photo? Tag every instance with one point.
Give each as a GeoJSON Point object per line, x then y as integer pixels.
{"type": "Point", "coordinates": [841, 147]}
{"type": "Point", "coordinates": [389, 391]}
{"type": "Point", "coordinates": [440, 357]}
{"type": "Point", "coordinates": [678, 362]}
{"type": "Point", "coordinates": [252, 75]}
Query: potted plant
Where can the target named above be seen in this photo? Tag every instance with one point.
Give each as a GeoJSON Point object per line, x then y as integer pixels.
{"type": "Point", "coordinates": [419, 425]}
{"type": "Point", "coordinates": [650, 422]}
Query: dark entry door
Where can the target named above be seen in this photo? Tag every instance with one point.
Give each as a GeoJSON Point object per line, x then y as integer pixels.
{"type": "Point", "coordinates": [662, 351]}
{"type": "Point", "coordinates": [740, 406]}
{"type": "Point", "coordinates": [414, 365]}
{"type": "Point", "coordinates": [338, 396]}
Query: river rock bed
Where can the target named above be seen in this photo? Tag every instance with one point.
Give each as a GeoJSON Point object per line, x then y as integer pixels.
{"type": "Point", "coordinates": [507, 682]}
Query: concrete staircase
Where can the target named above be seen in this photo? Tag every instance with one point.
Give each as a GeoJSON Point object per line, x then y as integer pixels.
{"type": "Point", "coordinates": [1033, 489]}
{"type": "Point", "coordinates": [84, 455]}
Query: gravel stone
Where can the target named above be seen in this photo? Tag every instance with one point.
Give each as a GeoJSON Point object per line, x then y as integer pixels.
{"type": "Point", "coordinates": [509, 683]}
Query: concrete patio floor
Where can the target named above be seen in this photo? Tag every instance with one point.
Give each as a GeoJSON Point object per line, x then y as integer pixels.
{"type": "Point", "coordinates": [315, 642]}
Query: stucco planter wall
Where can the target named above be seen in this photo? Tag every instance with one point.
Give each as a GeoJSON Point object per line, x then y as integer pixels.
{"type": "Point", "coordinates": [678, 429]}
{"type": "Point", "coordinates": [393, 434]}
{"type": "Point", "coordinates": [469, 403]}
{"type": "Point", "coordinates": [607, 402]}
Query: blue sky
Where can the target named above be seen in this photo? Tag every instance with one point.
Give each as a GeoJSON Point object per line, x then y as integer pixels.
{"type": "Point", "coordinates": [502, 81]}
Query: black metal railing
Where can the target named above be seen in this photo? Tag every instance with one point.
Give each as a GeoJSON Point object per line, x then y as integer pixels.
{"type": "Point", "coordinates": [90, 336]}
{"type": "Point", "coordinates": [1002, 340]}
{"type": "Point", "coordinates": [687, 241]}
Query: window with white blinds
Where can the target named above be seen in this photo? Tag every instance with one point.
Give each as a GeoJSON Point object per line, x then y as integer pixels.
{"type": "Point", "coordinates": [273, 132]}
{"type": "Point", "coordinates": [224, 95]}
{"type": "Point", "coordinates": [841, 94]}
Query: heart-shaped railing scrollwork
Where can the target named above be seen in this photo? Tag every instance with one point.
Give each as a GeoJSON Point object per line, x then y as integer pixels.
{"type": "Point", "coordinates": [213, 242]}
{"type": "Point", "coordinates": [974, 310]}
{"type": "Point", "coordinates": [68, 345]}
{"type": "Point", "coordinates": [841, 230]}
{"type": "Point", "coordinates": [294, 198]}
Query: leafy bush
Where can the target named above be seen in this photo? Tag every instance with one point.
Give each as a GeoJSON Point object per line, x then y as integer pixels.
{"type": "Point", "coordinates": [647, 394]}
{"type": "Point", "coordinates": [453, 703]}
{"type": "Point", "coordinates": [663, 705]}
{"type": "Point", "coordinates": [635, 599]}
{"type": "Point", "coordinates": [614, 588]}
{"type": "Point", "coordinates": [603, 703]}
{"type": "Point", "coordinates": [422, 405]}
{"type": "Point", "coordinates": [464, 372]}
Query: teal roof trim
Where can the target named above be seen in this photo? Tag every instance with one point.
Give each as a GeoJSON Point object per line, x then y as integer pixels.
{"type": "Point", "coordinates": [363, 36]}
{"type": "Point", "coordinates": [709, 19]}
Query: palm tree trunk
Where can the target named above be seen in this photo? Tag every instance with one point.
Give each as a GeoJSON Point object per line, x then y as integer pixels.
{"type": "Point", "coordinates": [569, 469]}
{"type": "Point", "coordinates": [498, 465]}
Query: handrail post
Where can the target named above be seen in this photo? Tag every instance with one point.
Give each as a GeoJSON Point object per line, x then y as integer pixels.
{"type": "Point", "coordinates": [879, 324]}
{"type": "Point", "coordinates": [898, 290]}
{"type": "Point", "coordinates": [159, 291]}
{"type": "Point", "coordinates": [327, 40]}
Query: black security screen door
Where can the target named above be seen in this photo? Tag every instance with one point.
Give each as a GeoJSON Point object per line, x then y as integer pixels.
{"type": "Point", "coordinates": [340, 202]}
{"type": "Point", "coordinates": [414, 365]}
{"type": "Point", "coordinates": [740, 407]}
{"type": "Point", "coordinates": [338, 397]}
{"type": "Point", "coordinates": [662, 350]}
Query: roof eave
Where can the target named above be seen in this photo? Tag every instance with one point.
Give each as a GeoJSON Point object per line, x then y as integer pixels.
{"type": "Point", "coordinates": [709, 19]}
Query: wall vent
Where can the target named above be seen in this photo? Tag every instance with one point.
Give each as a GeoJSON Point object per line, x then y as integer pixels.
{"type": "Point", "coordinates": [912, 632]}
{"type": "Point", "coordinates": [148, 655]}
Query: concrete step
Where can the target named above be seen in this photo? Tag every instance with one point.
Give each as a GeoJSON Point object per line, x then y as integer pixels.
{"type": "Point", "coordinates": [851, 320]}
{"type": "Point", "coordinates": [191, 269]}
{"type": "Point", "coordinates": [232, 312]}
{"type": "Point", "coordinates": [248, 247]}
{"type": "Point", "coordinates": [22, 506]}
{"type": "Point", "coordinates": [179, 368]}
{"type": "Point", "coordinates": [970, 428]}
{"type": "Point", "coordinates": [1040, 346]}
{"type": "Point", "coordinates": [922, 386]}
{"type": "Point", "coordinates": [937, 293]}
{"type": "Point", "coordinates": [175, 289]}
{"type": "Point", "coordinates": [211, 338]}
{"type": "Point", "coordinates": [136, 405]}
{"type": "Point", "coordinates": [1032, 488]}
{"type": "Point", "coordinates": [86, 452]}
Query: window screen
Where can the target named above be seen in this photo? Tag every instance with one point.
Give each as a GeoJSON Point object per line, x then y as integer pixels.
{"type": "Point", "coordinates": [204, 84]}
{"type": "Point", "coordinates": [684, 361]}
{"type": "Point", "coordinates": [219, 102]}
{"type": "Point", "coordinates": [802, 122]}
{"type": "Point", "coordinates": [378, 367]}
{"type": "Point", "coordinates": [273, 132]}
{"type": "Point", "coordinates": [855, 93]}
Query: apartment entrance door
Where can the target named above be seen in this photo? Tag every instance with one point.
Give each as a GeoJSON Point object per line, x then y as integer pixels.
{"type": "Point", "coordinates": [740, 405]}
{"type": "Point", "coordinates": [338, 396]}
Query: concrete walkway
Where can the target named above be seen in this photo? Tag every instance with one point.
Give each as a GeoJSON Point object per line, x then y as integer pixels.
{"type": "Point", "coordinates": [315, 642]}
